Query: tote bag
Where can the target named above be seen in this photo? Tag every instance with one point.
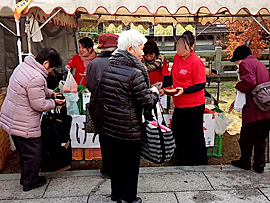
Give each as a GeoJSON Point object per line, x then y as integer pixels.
{"type": "Point", "coordinates": [157, 146]}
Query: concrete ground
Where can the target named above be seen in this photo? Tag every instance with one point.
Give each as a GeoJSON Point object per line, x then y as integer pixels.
{"type": "Point", "coordinates": [197, 184]}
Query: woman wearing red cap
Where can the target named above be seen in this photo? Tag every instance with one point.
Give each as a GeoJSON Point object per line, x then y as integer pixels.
{"type": "Point", "coordinates": [80, 61]}
{"type": "Point", "coordinates": [107, 44]}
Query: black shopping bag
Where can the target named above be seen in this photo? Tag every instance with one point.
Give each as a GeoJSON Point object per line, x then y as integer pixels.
{"type": "Point", "coordinates": [56, 142]}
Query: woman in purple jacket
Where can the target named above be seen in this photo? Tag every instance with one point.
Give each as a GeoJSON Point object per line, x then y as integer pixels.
{"type": "Point", "coordinates": [255, 122]}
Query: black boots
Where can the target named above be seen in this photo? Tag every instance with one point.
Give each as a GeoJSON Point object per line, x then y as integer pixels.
{"type": "Point", "coordinates": [258, 168]}
{"type": "Point", "coordinates": [241, 164]}
{"type": "Point", "coordinates": [41, 181]}
{"type": "Point", "coordinates": [247, 166]}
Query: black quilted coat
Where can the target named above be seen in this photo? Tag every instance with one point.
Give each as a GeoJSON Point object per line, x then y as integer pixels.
{"type": "Point", "coordinates": [125, 94]}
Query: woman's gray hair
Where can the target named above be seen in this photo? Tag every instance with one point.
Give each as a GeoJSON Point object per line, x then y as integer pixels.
{"type": "Point", "coordinates": [131, 38]}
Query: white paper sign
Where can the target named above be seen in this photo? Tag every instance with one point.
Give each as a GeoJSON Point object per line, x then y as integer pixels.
{"type": "Point", "coordinates": [164, 101]}
{"type": "Point", "coordinates": [208, 126]}
{"type": "Point", "coordinates": [79, 138]}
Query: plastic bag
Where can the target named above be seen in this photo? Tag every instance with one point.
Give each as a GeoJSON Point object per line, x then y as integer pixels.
{"type": "Point", "coordinates": [70, 84]}
{"type": "Point", "coordinates": [61, 85]}
{"type": "Point", "coordinates": [221, 123]}
{"type": "Point", "coordinates": [240, 101]}
{"type": "Point", "coordinates": [71, 102]}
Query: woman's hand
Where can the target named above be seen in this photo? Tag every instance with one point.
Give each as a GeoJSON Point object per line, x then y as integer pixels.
{"type": "Point", "coordinates": [68, 68]}
{"type": "Point", "coordinates": [161, 92]}
{"type": "Point", "coordinates": [154, 89]}
{"type": "Point", "coordinates": [60, 102]}
{"type": "Point", "coordinates": [181, 91]}
{"type": "Point", "coordinates": [82, 74]}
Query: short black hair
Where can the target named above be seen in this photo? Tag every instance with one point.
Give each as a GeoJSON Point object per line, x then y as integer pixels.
{"type": "Point", "coordinates": [151, 47]}
{"type": "Point", "coordinates": [188, 38]}
{"type": "Point", "coordinates": [51, 55]}
{"type": "Point", "coordinates": [86, 42]}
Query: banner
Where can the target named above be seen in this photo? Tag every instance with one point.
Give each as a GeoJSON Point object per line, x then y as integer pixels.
{"type": "Point", "coordinates": [20, 6]}
{"type": "Point", "coordinates": [80, 138]}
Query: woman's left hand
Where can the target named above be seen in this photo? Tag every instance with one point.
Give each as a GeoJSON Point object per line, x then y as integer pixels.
{"type": "Point", "coordinates": [161, 92]}
{"type": "Point", "coordinates": [181, 91]}
{"type": "Point", "coordinates": [82, 74]}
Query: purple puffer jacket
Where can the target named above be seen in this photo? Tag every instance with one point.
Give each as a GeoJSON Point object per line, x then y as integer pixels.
{"type": "Point", "coordinates": [27, 97]}
{"type": "Point", "coordinates": [252, 72]}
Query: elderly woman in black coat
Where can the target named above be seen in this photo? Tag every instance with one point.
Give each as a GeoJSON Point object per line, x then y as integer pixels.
{"type": "Point", "coordinates": [126, 93]}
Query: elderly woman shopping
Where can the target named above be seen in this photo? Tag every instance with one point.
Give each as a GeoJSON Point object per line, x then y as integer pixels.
{"type": "Point", "coordinates": [27, 97]}
{"type": "Point", "coordinates": [126, 93]}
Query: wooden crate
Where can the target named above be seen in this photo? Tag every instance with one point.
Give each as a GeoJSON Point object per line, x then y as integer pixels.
{"type": "Point", "coordinates": [92, 154]}
{"type": "Point", "coordinates": [77, 154]}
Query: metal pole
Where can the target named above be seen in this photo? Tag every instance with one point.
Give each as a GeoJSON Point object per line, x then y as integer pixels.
{"type": "Point", "coordinates": [8, 29]}
{"type": "Point", "coordinates": [45, 22]}
{"type": "Point", "coordinates": [27, 25]}
{"type": "Point", "coordinates": [258, 23]}
{"type": "Point", "coordinates": [19, 43]}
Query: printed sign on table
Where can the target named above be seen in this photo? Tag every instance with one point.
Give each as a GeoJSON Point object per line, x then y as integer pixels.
{"type": "Point", "coordinates": [79, 138]}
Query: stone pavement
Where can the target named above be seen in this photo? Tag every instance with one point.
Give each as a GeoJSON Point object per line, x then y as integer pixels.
{"type": "Point", "coordinates": [156, 185]}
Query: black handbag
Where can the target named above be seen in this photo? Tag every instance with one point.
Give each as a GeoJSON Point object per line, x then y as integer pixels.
{"type": "Point", "coordinates": [56, 142]}
{"type": "Point", "coordinates": [157, 146]}
{"type": "Point", "coordinates": [89, 125]}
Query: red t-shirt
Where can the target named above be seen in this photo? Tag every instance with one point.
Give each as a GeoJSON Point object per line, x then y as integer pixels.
{"type": "Point", "coordinates": [187, 73]}
{"type": "Point", "coordinates": [158, 75]}
{"type": "Point", "coordinates": [76, 62]}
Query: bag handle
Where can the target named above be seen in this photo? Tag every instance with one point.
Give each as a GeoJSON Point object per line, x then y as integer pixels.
{"type": "Point", "coordinates": [160, 134]}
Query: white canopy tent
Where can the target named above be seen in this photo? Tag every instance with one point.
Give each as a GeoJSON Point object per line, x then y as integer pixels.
{"type": "Point", "coordinates": [67, 12]}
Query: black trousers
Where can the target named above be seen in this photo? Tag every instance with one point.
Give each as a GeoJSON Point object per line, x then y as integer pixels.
{"type": "Point", "coordinates": [254, 135]}
{"type": "Point", "coordinates": [187, 127]}
{"type": "Point", "coordinates": [107, 160]}
{"type": "Point", "coordinates": [29, 150]}
{"type": "Point", "coordinates": [125, 160]}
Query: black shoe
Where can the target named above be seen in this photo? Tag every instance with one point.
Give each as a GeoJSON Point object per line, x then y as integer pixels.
{"type": "Point", "coordinates": [258, 168]}
{"type": "Point", "coordinates": [138, 200]}
{"type": "Point", "coordinates": [240, 164]}
{"type": "Point", "coordinates": [41, 181]}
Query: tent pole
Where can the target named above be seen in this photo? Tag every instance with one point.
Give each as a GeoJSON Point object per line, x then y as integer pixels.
{"type": "Point", "coordinates": [19, 43]}
{"type": "Point", "coordinates": [45, 22]}
{"type": "Point", "coordinates": [8, 29]}
{"type": "Point", "coordinates": [264, 28]}
{"type": "Point", "coordinates": [27, 25]}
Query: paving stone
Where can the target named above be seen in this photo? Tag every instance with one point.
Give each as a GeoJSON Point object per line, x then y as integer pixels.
{"type": "Point", "coordinates": [146, 197]}
{"type": "Point", "coordinates": [74, 186]}
{"type": "Point", "coordinates": [11, 189]}
{"type": "Point", "coordinates": [166, 169]}
{"type": "Point", "coordinates": [238, 179]}
{"type": "Point", "coordinates": [158, 197]}
{"type": "Point", "coordinates": [233, 196]}
{"type": "Point", "coordinates": [168, 182]}
{"type": "Point", "coordinates": [165, 182]}
{"type": "Point", "coordinates": [51, 200]}
{"type": "Point", "coordinates": [266, 192]}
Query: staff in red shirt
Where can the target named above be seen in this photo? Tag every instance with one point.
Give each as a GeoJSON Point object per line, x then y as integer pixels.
{"type": "Point", "coordinates": [80, 61]}
{"type": "Point", "coordinates": [188, 75]}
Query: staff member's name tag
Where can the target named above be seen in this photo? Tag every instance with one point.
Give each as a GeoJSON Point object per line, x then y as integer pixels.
{"type": "Point", "coordinates": [183, 71]}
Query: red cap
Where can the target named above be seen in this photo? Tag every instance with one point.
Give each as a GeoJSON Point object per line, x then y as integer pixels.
{"type": "Point", "coordinates": [107, 40]}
